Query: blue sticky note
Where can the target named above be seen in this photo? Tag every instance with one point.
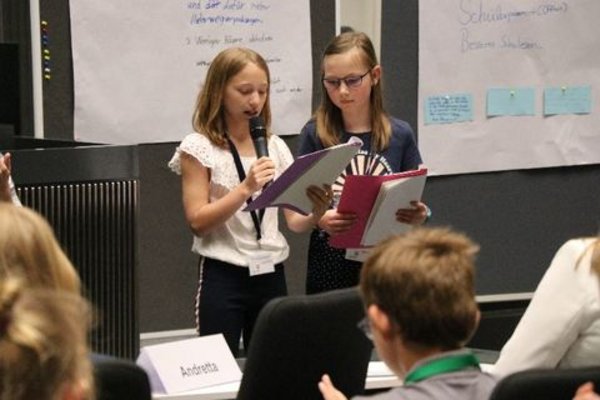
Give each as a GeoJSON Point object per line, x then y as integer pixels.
{"type": "Point", "coordinates": [568, 100]}
{"type": "Point", "coordinates": [447, 109]}
{"type": "Point", "coordinates": [510, 101]}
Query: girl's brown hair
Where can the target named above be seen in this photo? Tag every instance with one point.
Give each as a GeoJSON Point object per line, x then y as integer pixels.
{"type": "Point", "coordinates": [329, 117]}
{"type": "Point", "coordinates": [424, 281]}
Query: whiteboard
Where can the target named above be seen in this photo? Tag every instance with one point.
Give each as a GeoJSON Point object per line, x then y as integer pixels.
{"type": "Point", "coordinates": [138, 65]}
{"type": "Point", "coordinates": [472, 47]}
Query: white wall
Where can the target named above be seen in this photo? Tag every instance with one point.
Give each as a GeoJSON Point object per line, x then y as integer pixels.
{"type": "Point", "coordinates": [363, 15]}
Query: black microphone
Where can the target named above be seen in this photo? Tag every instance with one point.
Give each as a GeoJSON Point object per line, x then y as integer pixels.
{"type": "Point", "coordinates": [258, 132]}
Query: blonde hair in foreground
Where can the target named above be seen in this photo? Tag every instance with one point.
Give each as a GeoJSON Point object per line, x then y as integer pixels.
{"type": "Point", "coordinates": [43, 344]}
{"type": "Point", "coordinates": [424, 281]}
{"type": "Point", "coordinates": [29, 251]}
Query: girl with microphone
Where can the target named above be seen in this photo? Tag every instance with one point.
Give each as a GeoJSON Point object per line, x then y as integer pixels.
{"type": "Point", "coordinates": [242, 253]}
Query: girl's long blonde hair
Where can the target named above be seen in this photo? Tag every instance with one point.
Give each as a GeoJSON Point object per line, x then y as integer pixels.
{"type": "Point", "coordinates": [208, 118]}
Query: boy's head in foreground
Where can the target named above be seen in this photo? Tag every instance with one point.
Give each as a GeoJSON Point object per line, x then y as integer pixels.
{"type": "Point", "coordinates": [419, 295]}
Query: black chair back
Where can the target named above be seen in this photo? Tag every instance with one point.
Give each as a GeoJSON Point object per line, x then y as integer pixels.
{"type": "Point", "coordinates": [120, 379]}
{"type": "Point", "coordinates": [299, 338]}
{"type": "Point", "coordinates": [545, 384]}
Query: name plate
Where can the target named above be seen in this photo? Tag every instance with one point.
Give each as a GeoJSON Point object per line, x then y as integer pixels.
{"type": "Point", "coordinates": [189, 364]}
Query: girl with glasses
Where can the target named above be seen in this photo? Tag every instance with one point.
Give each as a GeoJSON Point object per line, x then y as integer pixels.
{"type": "Point", "coordinates": [352, 105]}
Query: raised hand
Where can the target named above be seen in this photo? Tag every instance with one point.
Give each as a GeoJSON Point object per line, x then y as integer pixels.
{"type": "Point", "coordinates": [5, 167]}
{"type": "Point", "coordinates": [328, 391]}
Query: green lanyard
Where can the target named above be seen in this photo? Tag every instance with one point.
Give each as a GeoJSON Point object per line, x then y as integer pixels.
{"type": "Point", "coordinates": [442, 365]}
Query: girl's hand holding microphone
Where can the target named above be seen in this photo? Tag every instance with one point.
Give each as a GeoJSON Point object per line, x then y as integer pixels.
{"type": "Point", "coordinates": [260, 173]}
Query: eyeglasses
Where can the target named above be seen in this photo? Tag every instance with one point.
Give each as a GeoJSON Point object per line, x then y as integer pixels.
{"type": "Point", "coordinates": [351, 82]}
{"type": "Point", "coordinates": [365, 326]}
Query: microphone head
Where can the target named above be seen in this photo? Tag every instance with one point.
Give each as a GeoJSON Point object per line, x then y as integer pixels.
{"type": "Point", "coordinates": [257, 127]}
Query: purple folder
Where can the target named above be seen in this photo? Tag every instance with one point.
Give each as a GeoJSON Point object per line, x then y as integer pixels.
{"type": "Point", "coordinates": [316, 168]}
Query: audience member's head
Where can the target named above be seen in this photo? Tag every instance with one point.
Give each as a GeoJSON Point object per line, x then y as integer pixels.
{"type": "Point", "coordinates": [422, 283]}
{"type": "Point", "coordinates": [29, 251]}
{"type": "Point", "coordinates": [43, 344]}
{"type": "Point", "coordinates": [419, 293]}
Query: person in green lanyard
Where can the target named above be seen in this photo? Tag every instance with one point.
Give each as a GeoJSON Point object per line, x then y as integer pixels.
{"type": "Point", "coordinates": [419, 296]}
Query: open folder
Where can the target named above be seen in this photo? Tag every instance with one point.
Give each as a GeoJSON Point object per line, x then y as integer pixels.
{"type": "Point", "coordinates": [318, 168]}
{"type": "Point", "coordinates": [375, 199]}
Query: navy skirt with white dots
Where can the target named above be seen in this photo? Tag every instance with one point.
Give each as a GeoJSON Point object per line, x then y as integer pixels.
{"type": "Point", "coordinates": [328, 269]}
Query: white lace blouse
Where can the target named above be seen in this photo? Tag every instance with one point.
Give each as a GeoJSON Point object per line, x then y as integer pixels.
{"type": "Point", "coordinates": [235, 240]}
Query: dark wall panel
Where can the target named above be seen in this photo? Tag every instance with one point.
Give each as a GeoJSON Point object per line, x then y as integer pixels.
{"type": "Point", "coordinates": [15, 29]}
{"type": "Point", "coordinates": [58, 90]}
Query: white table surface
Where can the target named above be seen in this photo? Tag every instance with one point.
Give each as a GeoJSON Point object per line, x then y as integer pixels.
{"type": "Point", "coordinates": [378, 376]}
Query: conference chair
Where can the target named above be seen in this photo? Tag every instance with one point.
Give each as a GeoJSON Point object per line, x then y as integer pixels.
{"type": "Point", "coordinates": [119, 379]}
{"type": "Point", "coordinates": [297, 339]}
{"type": "Point", "coordinates": [545, 384]}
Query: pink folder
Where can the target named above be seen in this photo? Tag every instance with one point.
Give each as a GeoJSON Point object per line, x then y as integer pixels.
{"type": "Point", "coordinates": [358, 196]}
